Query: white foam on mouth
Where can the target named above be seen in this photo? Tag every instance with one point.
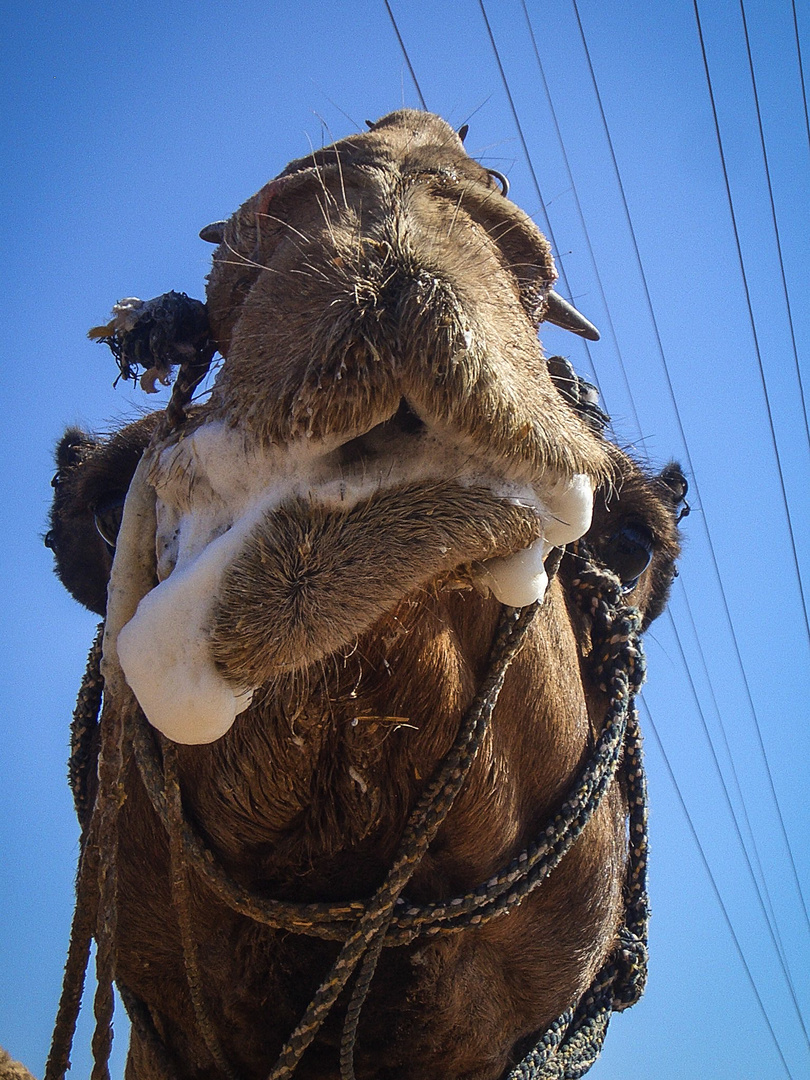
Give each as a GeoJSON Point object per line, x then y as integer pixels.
{"type": "Point", "coordinates": [164, 654]}
{"type": "Point", "coordinates": [212, 490]}
{"type": "Point", "coordinates": [521, 578]}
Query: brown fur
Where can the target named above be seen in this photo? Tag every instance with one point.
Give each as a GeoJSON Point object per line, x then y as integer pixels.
{"type": "Point", "coordinates": [11, 1069]}
{"type": "Point", "coordinates": [295, 595]}
{"type": "Point", "coordinates": [343, 288]}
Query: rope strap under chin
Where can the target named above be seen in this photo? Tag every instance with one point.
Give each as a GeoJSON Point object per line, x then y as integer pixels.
{"type": "Point", "coordinates": [571, 1044]}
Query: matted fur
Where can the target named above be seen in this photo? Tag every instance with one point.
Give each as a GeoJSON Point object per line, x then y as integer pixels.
{"type": "Point", "coordinates": [11, 1069]}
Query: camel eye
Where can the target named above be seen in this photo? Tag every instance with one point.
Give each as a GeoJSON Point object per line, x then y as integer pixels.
{"type": "Point", "coordinates": [107, 517]}
{"type": "Point", "coordinates": [628, 553]}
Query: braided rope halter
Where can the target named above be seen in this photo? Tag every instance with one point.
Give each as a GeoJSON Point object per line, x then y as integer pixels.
{"type": "Point", "coordinates": [572, 1042]}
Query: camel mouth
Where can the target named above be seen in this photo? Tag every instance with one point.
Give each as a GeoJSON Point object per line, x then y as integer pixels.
{"type": "Point", "coordinates": [391, 434]}
{"type": "Point", "coordinates": [219, 480]}
{"type": "Point", "coordinates": [337, 293]}
{"type": "Point", "coordinates": [268, 560]}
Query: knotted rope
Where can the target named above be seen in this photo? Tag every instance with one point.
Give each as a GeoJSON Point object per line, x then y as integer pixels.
{"type": "Point", "coordinates": [84, 735]}
{"type": "Point", "coordinates": [571, 1044]}
{"type": "Point", "coordinates": [171, 330]}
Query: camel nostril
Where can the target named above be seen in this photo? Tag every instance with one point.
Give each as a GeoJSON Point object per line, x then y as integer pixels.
{"type": "Point", "coordinates": [408, 422]}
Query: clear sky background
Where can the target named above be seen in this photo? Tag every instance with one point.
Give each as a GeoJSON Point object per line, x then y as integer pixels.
{"type": "Point", "coordinates": [127, 127]}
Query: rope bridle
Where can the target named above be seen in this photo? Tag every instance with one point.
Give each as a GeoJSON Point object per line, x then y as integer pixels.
{"type": "Point", "coordinates": [571, 1044]}
{"type": "Point", "coordinates": [173, 329]}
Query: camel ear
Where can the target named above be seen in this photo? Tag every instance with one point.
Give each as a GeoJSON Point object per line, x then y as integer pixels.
{"type": "Point", "coordinates": [90, 485]}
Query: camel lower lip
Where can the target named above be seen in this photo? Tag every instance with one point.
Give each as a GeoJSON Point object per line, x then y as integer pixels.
{"type": "Point", "coordinates": [215, 499]}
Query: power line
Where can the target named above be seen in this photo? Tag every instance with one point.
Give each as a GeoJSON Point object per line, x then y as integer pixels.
{"type": "Point", "coordinates": [779, 949]}
{"type": "Point", "coordinates": [752, 321]}
{"type": "Point", "coordinates": [770, 418]}
{"type": "Point", "coordinates": [581, 215]}
{"type": "Point", "coordinates": [715, 888]}
{"type": "Point", "coordinates": [775, 228]}
{"type": "Point", "coordinates": [770, 918]}
{"type": "Point", "coordinates": [772, 931]}
{"type": "Point", "coordinates": [546, 221]}
{"type": "Point", "coordinates": [727, 746]}
{"type": "Point", "coordinates": [801, 70]}
{"type": "Point", "coordinates": [671, 389]}
{"type": "Point", "coordinates": [536, 182]}
{"type": "Point", "coordinates": [405, 54]}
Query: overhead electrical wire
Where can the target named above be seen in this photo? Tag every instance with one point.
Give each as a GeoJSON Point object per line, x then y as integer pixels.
{"type": "Point", "coordinates": [801, 71]}
{"type": "Point", "coordinates": [693, 476]}
{"type": "Point", "coordinates": [715, 889]}
{"type": "Point", "coordinates": [767, 910]}
{"type": "Point", "coordinates": [770, 417]}
{"type": "Point", "coordinates": [775, 223]}
{"type": "Point", "coordinates": [547, 226]}
{"type": "Point", "coordinates": [754, 333]}
{"type": "Point", "coordinates": [774, 938]}
{"type": "Point", "coordinates": [727, 746]}
{"type": "Point", "coordinates": [760, 739]}
{"type": "Point", "coordinates": [581, 216]}
{"type": "Point", "coordinates": [536, 182]}
{"type": "Point", "coordinates": [772, 928]}
{"type": "Point", "coordinates": [405, 54]}
{"type": "Point", "coordinates": [773, 932]}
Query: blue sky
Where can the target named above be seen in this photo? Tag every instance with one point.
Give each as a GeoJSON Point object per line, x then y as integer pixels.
{"type": "Point", "coordinates": [126, 128]}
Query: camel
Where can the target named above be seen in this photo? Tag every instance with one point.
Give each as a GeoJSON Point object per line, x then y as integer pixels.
{"type": "Point", "coordinates": [365, 797]}
{"type": "Point", "coordinates": [11, 1069]}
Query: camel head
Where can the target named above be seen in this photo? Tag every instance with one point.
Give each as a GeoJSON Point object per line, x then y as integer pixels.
{"type": "Point", "coordinates": [384, 421]}
{"type": "Point", "coordinates": [302, 573]}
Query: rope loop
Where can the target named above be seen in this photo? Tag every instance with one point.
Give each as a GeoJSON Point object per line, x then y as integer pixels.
{"type": "Point", "coordinates": [570, 1045]}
